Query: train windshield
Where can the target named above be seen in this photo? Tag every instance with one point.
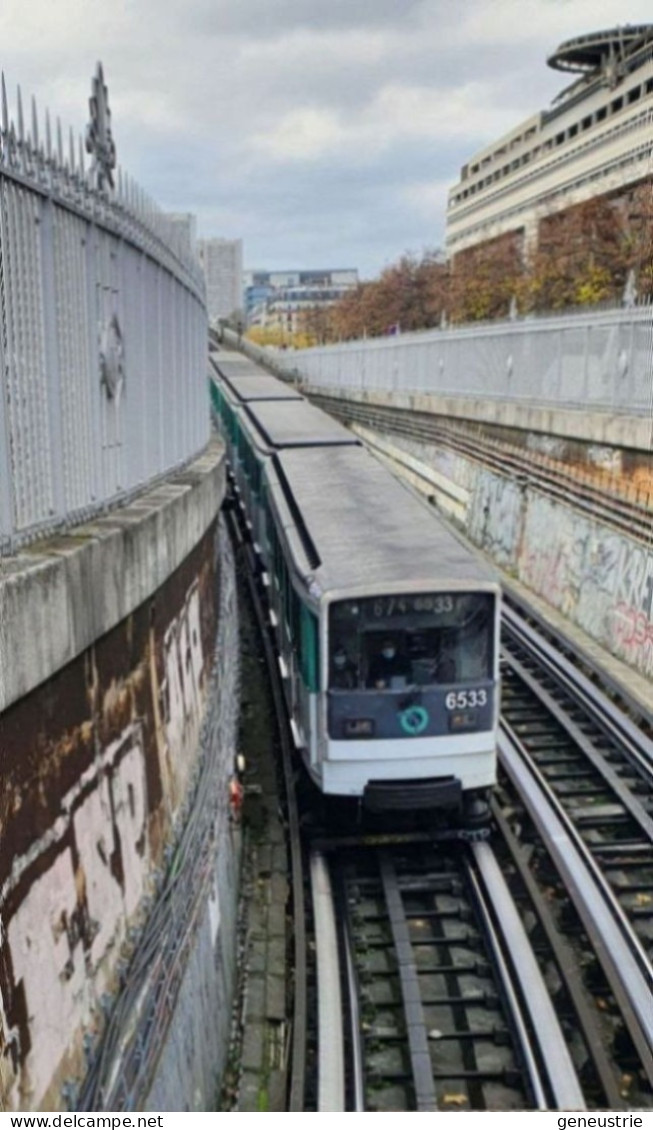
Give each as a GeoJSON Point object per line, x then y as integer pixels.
{"type": "Point", "coordinates": [413, 640]}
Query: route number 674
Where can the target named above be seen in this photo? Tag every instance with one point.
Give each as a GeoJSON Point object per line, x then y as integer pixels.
{"type": "Point", "coordinates": [461, 700]}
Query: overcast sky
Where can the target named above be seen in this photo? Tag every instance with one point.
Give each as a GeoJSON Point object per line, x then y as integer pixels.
{"type": "Point", "coordinates": [322, 132]}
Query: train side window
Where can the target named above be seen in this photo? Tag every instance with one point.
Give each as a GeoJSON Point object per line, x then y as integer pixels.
{"type": "Point", "coordinates": [276, 553]}
{"type": "Point", "coordinates": [295, 619]}
{"type": "Point", "coordinates": [309, 655]}
{"type": "Point", "coordinates": [216, 399]}
{"type": "Point", "coordinates": [286, 594]}
{"type": "Point", "coordinates": [256, 474]}
{"type": "Point", "coordinates": [268, 525]}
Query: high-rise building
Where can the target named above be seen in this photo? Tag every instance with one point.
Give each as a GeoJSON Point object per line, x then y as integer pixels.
{"type": "Point", "coordinates": [596, 139]}
{"type": "Point", "coordinates": [222, 262]}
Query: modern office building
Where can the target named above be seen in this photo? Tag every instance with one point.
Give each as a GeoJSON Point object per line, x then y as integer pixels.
{"type": "Point", "coordinates": [595, 139]}
{"type": "Point", "coordinates": [222, 262]}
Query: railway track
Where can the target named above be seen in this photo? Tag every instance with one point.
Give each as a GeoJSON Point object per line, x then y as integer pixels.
{"type": "Point", "coordinates": [439, 954]}
{"type": "Point", "coordinates": [427, 936]}
{"type": "Point", "coordinates": [605, 503]}
{"type": "Point", "coordinates": [445, 1006]}
{"type": "Point", "coordinates": [578, 784]}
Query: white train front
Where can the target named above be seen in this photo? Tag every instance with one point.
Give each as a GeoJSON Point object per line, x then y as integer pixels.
{"type": "Point", "coordinates": [387, 625]}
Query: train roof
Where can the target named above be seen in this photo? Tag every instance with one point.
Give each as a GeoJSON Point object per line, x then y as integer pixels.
{"type": "Point", "coordinates": [230, 364]}
{"type": "Point", "coordinates": [296, 423]}
{"type": "Point", "coordinates": [367, 530]}
{"type": "Point", "coordinates": [261, 386]}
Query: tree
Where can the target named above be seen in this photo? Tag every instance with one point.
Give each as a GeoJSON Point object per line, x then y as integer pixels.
{"type": "Point", "coordinates": [637, 220]}
{"type": "Point", "coordinates": [583, 256]}
{"type": "Point", "coordinates": [486, 278]}
{"type": "Point", "coordinates": [579, 258]}
{"type": "Point", "coordinates": [409, 295]}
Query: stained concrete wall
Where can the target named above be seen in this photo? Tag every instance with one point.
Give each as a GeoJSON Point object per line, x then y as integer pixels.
{"type": "Point", "coordinates": [191, 1051]}
{"type": "Point", "coordinates": [60, 595]}
{"type": "Point", "coordinates": [107, 645]}
{"type": "Point", "coordinates": [600, 579]}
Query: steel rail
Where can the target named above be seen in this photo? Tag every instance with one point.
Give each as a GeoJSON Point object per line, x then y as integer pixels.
{"type": "Point", "coordinates": [619, 952]}
{"type": "Point", "coordinates": [420, 1057]}
{"type": "Point", "coordinates": [585, 1016]}
{"type": "Point", "coordinates": [563, 1084]}
{"type": "Point", "coordinates": [411, 898]}
{"type": "Point", "coordinates": [581, 741]}
{"type": "Point", "coordinates": [357, 1067]}
{"type": "Point", "coordinates": [630, 517]}
{"type": "Point", "coordinates": [331, 1058]}
{"type": "Point", "coordinates": [638, 746]}
{"type": "Point", "coordinates": [520, 1028]}
{"type": "Point", "coordinates": [575, 653]}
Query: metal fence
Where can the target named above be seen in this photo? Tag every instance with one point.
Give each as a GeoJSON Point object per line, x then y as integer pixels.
{"type": "Point", "coordinates": [102, 335]}
{"type": "Point", "coordinates": [601, 360]}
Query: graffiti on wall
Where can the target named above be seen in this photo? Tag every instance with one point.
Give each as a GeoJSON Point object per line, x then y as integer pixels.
{"type": "Point", "coordinates": [91, 868]}
{"type": "Point", "coordinates": [599, 579]}
{"type": "Point", "coordinates": [180, 692]}
{"type": "Point", "coordinates": [552, 554]}
{"type": "Point", "coordinates": [495, 516]}
{"type": "Point", "coordinates": [95, 764]}
{"type": "Point", "coordinates": [632, 617]}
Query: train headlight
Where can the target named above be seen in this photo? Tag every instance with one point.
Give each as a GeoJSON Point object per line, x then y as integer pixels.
{"type": "Point", "coordinates": [359, 727]}
{"type": "Point", "coordinates": [463, 720]}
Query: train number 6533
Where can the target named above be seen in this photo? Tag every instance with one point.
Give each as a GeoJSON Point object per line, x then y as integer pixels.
{"type": "Point", "coordinates": [460, 700]}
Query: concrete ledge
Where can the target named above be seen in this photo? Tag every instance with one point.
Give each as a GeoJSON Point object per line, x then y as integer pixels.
{"type": "Point", "coordinates": [61, 594]}
{"type": "Point", "coordinates": [631, 432]}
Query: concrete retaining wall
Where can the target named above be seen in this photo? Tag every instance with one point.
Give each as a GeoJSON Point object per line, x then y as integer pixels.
{"type": "Point", "coordinates": [192, 1051]}
{"type": "Point", "coordinates": [598, 578]}
{"type": "Point", "coordinates": [59, 596]}
{"type": "Point", "coordinates": [107, 645]}
{"type": "Point", "coordinates": [604, 429]}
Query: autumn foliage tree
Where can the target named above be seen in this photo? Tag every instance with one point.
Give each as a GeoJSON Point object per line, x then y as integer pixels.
{"type": "Point", "coordinates": [637, 223]}
{"type": "Point", "coordinates": [578, 260]}
{"type": "Point", "coordinates": [409, 295]}
{"type": "Point", "coordinates": [583, 256]}
{"type": "Point", "coordinates": [485, 279]}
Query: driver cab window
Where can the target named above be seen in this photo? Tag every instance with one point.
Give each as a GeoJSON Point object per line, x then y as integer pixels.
{"type": "Point", "coordinates": [396, 641]}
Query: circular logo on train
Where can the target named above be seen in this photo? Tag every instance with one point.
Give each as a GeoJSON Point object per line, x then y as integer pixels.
{"type": "Point", "coordinates": [414, 720]}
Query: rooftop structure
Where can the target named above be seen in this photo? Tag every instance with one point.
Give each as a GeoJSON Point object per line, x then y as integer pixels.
{"type": "Point", "coordinates": [595, 138]}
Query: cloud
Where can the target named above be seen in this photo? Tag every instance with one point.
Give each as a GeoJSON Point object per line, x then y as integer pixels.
{"type": "Point", "coordinates": [396, 114]}
{"type": "Point", "coordinates": [319, 132]}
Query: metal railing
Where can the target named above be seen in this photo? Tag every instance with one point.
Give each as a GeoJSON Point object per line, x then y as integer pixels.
{"type": "Point", "coordinates": [599, 361]}
{"type": "Point", "coordinates": [102, 335]}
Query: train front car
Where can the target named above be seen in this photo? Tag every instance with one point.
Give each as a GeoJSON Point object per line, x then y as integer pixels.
{"type": "Point", "coordinates": [411, 698]}
{"type": "Point", "coordinates": [409, 633]}
{"type": "Point", "coordinates": [386, 623]}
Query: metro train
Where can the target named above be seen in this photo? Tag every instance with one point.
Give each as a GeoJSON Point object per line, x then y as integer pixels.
{"type": "Point", "coordinates": [387, 626]}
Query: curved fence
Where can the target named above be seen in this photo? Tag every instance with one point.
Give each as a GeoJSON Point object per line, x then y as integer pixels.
{"type": "Point", "coordinates": [599, 361]}
{"type": "Point", "coordinates": [103, 330]}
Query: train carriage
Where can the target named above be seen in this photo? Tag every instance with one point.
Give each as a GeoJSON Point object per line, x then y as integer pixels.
{"type": "Point", "coordinates": [387, 624]}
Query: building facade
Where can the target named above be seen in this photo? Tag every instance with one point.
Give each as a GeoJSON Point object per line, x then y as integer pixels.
{"type": "Point", "coordinates": [282, 300]}
{"type": "Point", "coordinates": [222, 263]}
{"type": "Point", "coordinates": [596, 139]}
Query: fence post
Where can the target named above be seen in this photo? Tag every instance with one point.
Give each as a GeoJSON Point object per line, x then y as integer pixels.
{"type": "Point", "coordinates": [53, 392]}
